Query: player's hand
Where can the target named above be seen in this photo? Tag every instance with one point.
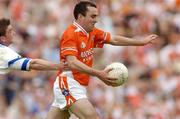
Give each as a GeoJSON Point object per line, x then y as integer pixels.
{"type": "Point", "coordinates": [64, 65]}
{"type": "Point", "coordinates": [150, 39]}
{"type": "Point", "coordinates": [103, 76]}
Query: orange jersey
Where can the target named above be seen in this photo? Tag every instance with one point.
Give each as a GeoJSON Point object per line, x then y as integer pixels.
{"type": "Point", "coordinates": [77, 42]}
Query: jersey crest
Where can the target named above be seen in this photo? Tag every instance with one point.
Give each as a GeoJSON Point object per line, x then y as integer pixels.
{"type": "Point", "coordinates": [83, 45]}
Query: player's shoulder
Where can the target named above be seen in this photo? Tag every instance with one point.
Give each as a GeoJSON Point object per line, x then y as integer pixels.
{"type": "Point", "coordinates": [8, 51]}
{"type": "Point", "coordinates": [70, 30]}
{"type": "Point", "coordinates": [97, 30]}
{"type": "Point", "coordinates": [2, 46]}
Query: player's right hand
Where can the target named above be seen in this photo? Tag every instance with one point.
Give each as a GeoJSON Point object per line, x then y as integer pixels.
{"type": "Point", "coordinates": [103, 76]}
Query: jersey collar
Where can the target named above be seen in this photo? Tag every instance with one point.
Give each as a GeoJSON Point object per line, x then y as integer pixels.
{"type": "Point", "coordinates": [80, 28]}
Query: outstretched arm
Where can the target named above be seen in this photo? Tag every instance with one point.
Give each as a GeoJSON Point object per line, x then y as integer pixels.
{"type": "Point", "coordinates": [124, 41]}
{"type": "Point", "coordinates": [40, 64]}
{"type": "Point", "coordinates": [34, 64]}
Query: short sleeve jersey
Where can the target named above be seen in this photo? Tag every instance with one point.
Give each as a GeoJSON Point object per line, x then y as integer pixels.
{"type": "Point", "coordinates": [77, 42]}
{"type": "Point", "coordinates": [10, 60]}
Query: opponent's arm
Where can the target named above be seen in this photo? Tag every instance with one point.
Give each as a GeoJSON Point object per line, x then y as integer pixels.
{"type": "Point", "coordinates": [124, 41]}
{"type": "Point", "coordinates": [40, 64]}
{"type": "Point", "coordinates": [27, 64]}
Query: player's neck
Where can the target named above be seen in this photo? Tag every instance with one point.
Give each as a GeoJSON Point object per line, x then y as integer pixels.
{"type": "Point", "coordinates": [1, 42]}
{"type": "Point", "coordinates": [82, 25]}
{"type": "Point", "coordinates": [4, 43]}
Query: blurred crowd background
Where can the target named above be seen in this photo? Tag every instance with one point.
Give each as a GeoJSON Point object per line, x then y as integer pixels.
{"type": "Point", "coordinates": [153, 88]}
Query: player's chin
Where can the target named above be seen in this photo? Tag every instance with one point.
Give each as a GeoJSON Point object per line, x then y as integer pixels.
{"type": "Point", "coordinates": [92, 26]}
{"type": "Point", "coordinates": [90, 29]}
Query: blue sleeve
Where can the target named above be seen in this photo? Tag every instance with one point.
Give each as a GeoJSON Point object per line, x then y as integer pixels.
{"type": "Point", "coordinates": [19, 64]}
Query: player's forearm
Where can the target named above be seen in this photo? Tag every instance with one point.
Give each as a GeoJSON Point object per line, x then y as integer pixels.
{"type": "Point", "coordinates": [77, 65]}
{"type": "Point", "coordinates": [124, 41]}
{"type": "Point", "coordinates": [39, 64]}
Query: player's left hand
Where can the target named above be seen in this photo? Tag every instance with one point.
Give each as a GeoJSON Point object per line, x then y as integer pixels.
{"type": "Point", "coordinates": [103, 76]}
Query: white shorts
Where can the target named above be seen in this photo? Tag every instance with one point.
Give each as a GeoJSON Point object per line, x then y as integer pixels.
{"type": "Point", "coordinates": [67, 91]}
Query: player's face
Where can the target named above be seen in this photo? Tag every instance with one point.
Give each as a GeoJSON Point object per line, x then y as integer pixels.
{"type": "Point", "coordinates": [9, 35]}
{"type": "Point", "coordinates": [90, 19]}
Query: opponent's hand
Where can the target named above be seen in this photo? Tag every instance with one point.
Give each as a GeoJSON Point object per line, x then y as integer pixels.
{"type": "Point", "coordinates": [64, 65]}
{"type": "Point", "coordinates": [103, 76]}
{"type": "Point", "coordinates": [150, 39]}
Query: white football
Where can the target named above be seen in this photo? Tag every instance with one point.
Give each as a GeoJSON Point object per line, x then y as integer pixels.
{"type": "Point", "coordinates": [118, 71]}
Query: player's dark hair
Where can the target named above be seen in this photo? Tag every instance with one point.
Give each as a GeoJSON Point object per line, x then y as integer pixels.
{"type": "Point", "coordinates": [4, 23]}
{"type": "Point", "coordinates": [81, 8]}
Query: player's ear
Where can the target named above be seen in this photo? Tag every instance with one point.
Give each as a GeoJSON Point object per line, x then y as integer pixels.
{"type": "Point", "coordinates": [80, 16]}
{"type": "Point", "coordinates": [2, 39]}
